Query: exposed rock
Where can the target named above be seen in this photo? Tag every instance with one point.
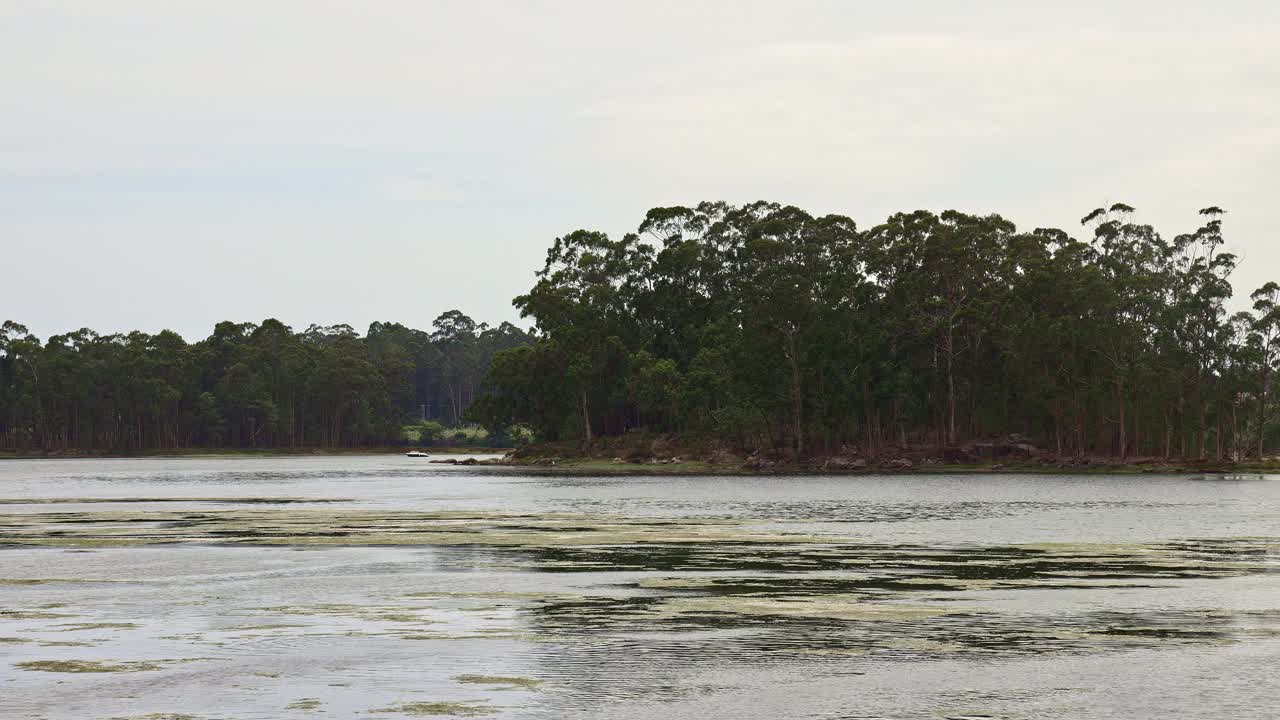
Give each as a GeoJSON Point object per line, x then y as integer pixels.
{"type": "Point", "coordinates": [758, 461]}
{"type": "Point", "coordinates": [958, 455]}
{"type": "Point", "coordinates": [896, 464]}
{"type": "Point", "coordinates": [840, 462]}
{"type": "Point", "coordinates": [456, 461]}
{"type": "Point", "coordinates": [724, 457]}
{"type": "Point", "coordinates": [1000, 450]}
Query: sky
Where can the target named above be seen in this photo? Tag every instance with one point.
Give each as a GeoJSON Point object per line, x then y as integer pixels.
{"type": "Point", "coordinates": [171, 164]}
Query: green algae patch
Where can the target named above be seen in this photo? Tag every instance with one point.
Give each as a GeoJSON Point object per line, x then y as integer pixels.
{"type": "Point", "coordinates": [30, 582]}
{"type": "Point", "coordinates": [470, 708]}
{"type": "Point", "coordinates": [357, 527]}
{"type": "Point", "coordinates": [268, 626]}
{"type": "Point", "coordinates": [31, 615]}
{"type": "Point", "coordinates": [135, 500]}
{"type": "Point", "coordinates": [13, 640]}
{"type": "Point", "coordinates": [86, 666]}
{"type": "Point", "coordinates": [832, 607]}
{"type": "Point", "coordinates": [304, 704]}
{"type": "Point", "coordinates": [75, 627]}
{"type": "Point", "coordinates": [368, 613]}
{"type": "Point", "coordinates": [159, 716]}
{"type": "Point", "coordinates": [522, 683]}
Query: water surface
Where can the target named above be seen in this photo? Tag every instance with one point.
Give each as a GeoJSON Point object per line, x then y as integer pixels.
{"type": "Point", "coordinates": [385, 587]}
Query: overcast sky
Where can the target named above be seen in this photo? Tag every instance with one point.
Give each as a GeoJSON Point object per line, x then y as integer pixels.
{"type": "Point", "coordinates": [170, 164]}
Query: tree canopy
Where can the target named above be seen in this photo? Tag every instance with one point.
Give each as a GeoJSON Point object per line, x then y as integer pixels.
{"type": "Point", "coordinates": [760, 326]}
{"type": "Point", "coordinates": [245, 385]}
{"type": "Point", "coordinates": [769, 327]}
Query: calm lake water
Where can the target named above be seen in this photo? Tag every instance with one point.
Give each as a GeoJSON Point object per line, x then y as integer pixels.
{"type": "Point", "coordinates": [386, 587]}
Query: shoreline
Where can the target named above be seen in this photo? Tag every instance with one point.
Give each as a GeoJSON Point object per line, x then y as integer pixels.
{"type": "Point", "coordinates": [660, 469]}
{"type": "Point", "coordinates": [550, 465]}
{"type": "Point", "coordinates": [246, 452]}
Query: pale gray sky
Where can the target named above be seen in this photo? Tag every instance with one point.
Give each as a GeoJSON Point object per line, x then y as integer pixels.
{"type": "Point", "coordinates": [173, 163]}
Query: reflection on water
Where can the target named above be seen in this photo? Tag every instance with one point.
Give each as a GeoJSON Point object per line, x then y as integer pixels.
{"type": "Point", "coordinates": [340, 587]}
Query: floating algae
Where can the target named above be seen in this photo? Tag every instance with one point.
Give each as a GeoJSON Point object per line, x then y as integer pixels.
{"type": "Point", "coordinates": [136, 500]}
{"type": "Point", "coordinates": [86, 666]}
{"type": "Point", "coordinates": [470, 708]}
{"type": "Point", "coordinates": [31, 615]}
{"type": "Point", "coordinates": [834, 607]}
{"type": "Point", "coordinates": [67, 643]}
{"type": "Point", "coordinates": [372, 613]}
{"type": "Point", "coordinates": [509, 682]}
{"type": "Point", "coordinates": [74, 627]}
{"type": "Point", "coordinates": [159, 716]}
{"type": "Point", "coordinates": [26, 582]}
{"type": "Point", "coordinates": [304, 704]}
{"type": "Point", "coordinates": [367, 527]}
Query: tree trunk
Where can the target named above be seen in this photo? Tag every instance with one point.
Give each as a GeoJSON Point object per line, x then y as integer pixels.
{"type": "Point", "coordinates": [1235, 432]}
{"type": "Point", "coordinates": [586, 418]}
{"type": "Point", "coordinates": [1217, 439]}
{"type": "Point", "coordinates": [1168, 435]}
{"type": "Point", "coordinates": [797, 400]}
{"type": "Point", "coordinates": [1262, 417]}
{"type": "Point", "coordinates": [1204, 430]}
{"type": "Point", "coordinates": [951, 387]}
{"type": "Point", "coordinates": [1123, 439]}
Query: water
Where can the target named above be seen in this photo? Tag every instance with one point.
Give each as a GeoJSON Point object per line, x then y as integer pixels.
{"type": "Point", "coordinates": [388, 587]}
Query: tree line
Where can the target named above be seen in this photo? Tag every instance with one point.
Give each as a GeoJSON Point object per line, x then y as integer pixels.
{"type": "Point", "coordinates": [246, 385]}
{"type": "Point", "coordinates": [767, 327]}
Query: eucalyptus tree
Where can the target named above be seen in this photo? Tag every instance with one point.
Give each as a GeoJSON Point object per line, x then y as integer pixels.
{"type": "Point", "coordinates": [1264, 340]}
{"type": "Point", "coordinates": [246, 385]}
{"type": "Point", "coordinates": [584, 298]}
{"type": "Point", "coordinates": [1131, 257]}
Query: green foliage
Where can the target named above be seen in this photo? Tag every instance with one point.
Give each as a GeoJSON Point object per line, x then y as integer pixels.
{"type": "Point", "coordinates": [773, 328]}
{"type": "Point", "coordinates": [760, 326]}
{"type": "Point", "coordinates": [244, 386]}
{"type": "Point", "coordinates": [428, 432]}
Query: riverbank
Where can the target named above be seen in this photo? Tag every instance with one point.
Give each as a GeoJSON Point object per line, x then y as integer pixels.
{"type": "Point", "coordinates": [667, 456]}
{"type": "Point", "coordinates": [74, 454]}
{"type": "Point", "coordinates": [581, 466]}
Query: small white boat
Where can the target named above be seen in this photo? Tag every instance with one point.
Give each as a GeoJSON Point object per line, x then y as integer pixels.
{"type": "Point", "coordinates": [416, 453]}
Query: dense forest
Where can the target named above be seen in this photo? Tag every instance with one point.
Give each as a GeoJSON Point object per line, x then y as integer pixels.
{"type": "Point", "coordinates": [244, 386]}
{"type": "Point", "coordinates": [768, 328]}
{"type": "Point", "coordinates": [756, 327]}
